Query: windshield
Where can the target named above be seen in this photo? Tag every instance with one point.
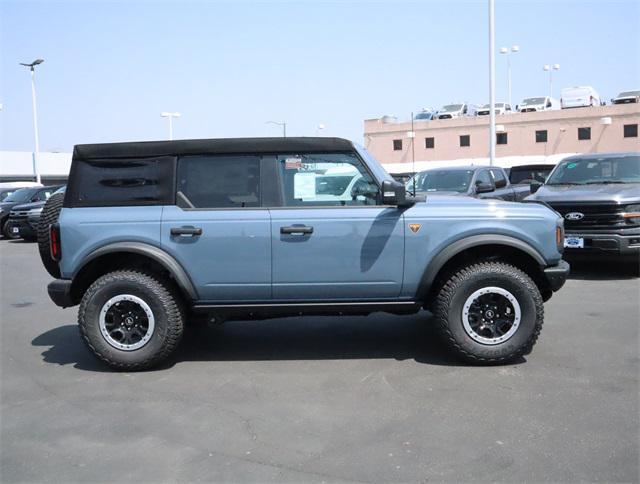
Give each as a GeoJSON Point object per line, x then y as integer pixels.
{"type": "Point", "coordinates": [622, 169]}
{"type": "Point", "coordinates": [22, 195]}
{"type": "Point", "coordinates": [487, 106]}
{"type": "Point", "coordinates": [5, 193]}
{"type": "Point", "coordinates": [532, 100]}
{"type": "Point", "coordinates": [629, 94]}
{"type": "Point", "coordinates": [423, 115]}
{"type": "Point", "coordinates": [451, 108]}
{"type": "Point", "coordinates": [441, 181]}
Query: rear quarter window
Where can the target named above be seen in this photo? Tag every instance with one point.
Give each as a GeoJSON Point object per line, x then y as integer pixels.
{"type": "Point", "coordinates": [113, 182]}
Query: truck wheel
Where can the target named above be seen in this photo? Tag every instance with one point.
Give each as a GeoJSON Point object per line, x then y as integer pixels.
{"type": "Point", "coordinates": [131, 320]}
{"type": "Point", "coordinates": [6, 231]}
{"type": "Point", "coordinates": [489, 313]}
{"type": "Point", "coordinates": [49, 215]}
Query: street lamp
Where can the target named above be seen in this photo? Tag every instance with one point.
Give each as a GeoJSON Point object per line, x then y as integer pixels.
{"type": "Point", "coordinates": [319, 129]}
{"type": "Point", "coordinates": [283, 124]}
{"type": "Point", "coordinates": [550, 69]}
{"type": "Point", "coordinates": [507, 51]}
{"type": "Point", "coordinates": [170, 116]}
{"type": "Point", "coordinates": [32, 68]}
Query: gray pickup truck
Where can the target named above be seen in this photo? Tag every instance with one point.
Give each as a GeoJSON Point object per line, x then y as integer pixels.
{"type": "Point", "coordinates": [473, 181]}
{"type": "Point", "coordinates": [599, 197]}
{"type": "Point", "coordinates": [150, 235]}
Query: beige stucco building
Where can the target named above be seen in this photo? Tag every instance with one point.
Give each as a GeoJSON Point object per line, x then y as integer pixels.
{"type": "Point", "coordinates": [536, 137]}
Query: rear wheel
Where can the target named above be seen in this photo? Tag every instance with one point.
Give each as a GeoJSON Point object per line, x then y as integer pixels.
{"type": "Point", "coordinates": [489, 313]}
{"type": "Point", "coordinates": [131, 320]}
{"type": "Point", "coordinates": [49, 215]}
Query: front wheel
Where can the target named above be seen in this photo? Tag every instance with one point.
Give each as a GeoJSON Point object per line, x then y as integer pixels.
{"type": "Point", "coordinates": [131, 320]}
{"type": "Point", "coordinates": [489, 312]}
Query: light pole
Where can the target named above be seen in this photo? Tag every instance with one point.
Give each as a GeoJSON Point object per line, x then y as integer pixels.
{"type": "Point", "coordinates": [550, 69]}
{"type": "Point", "coordinates": [32, 68]}
{"type": "Point", "coordinates": [319, 129]}
{"type": "Point", "coordinates": [165, 114]}
{"type": "Point", "coordinates": [492, 84]}
{"type": "Point", "coordinates": [507, 51]}
{"type": "Point", "coordinates": [283, 124]}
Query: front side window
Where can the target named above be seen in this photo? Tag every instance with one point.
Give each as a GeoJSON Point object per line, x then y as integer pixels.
{"type": "Point", "coordinates": [219, 181]}
{"type": "Point", "coordinates": [326, 179]}
{"type": "Point", "coordinates": [498, 178]}
{"type": "Point", "coordinates": [484, 178]}
{"type": "Point", "coordinates": [605, 170]}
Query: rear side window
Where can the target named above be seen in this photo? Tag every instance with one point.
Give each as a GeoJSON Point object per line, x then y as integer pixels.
{"type": "Point", "coordinates": [219, 181]}
{"type": "Point", "coordinates": [113, 182]}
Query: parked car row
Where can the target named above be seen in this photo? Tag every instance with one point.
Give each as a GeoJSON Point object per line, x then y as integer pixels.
{"type": "Point", "coordinates": [20, 211]}
{"type": "Point", "coordinates": [598, 196]}
{"type": "Point", "coordinates": [571, 97]}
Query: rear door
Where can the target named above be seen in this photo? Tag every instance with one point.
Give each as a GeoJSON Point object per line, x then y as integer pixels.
{"type": "Point", "coordinates": [219, 231]}
{"type": "Point", "coordinates": [331, 237]}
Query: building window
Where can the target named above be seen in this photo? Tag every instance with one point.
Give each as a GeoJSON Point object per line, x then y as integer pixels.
{"type": "Point", "coordinates": [397, 145]}
{"type": "Point", "coordinates": [584, 133]}
{"type": "Point", "coordinates": [465, 140]}
{"type": "Point", "coordinates": [630, 130]}
{"type": "Point", "coordinates": [501, 138]}
{"type": "Point", "coordinates": [541, 136]}
{"type": "Point", "coordinates": [431, 142]}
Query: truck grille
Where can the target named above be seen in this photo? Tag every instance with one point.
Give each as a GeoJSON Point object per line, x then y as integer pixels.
{"type": "Point", "coordinates": [595, 216]}
{"type": "Point", "coordinates": [444, 116]}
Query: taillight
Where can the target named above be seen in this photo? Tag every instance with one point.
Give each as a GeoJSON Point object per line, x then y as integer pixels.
{"type": "Point", "coordinates": [54, 242]}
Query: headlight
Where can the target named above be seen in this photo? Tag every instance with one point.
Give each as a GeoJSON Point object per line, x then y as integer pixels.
{"type": "Point", "coordinates": [35, 211]}
{"type": "Point", "coordinates": [632, 214]}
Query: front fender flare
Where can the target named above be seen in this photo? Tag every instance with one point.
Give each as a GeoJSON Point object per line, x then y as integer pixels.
{"type": "Point", "coordinates": [157, 254]}
{"type": "Point", "coordinates": [460, 245]}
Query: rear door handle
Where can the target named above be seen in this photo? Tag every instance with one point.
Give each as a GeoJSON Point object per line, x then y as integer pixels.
{"type": "Point", "coordinates": [296, 230]}
{"type": "Point", "coordinates": [192, 231]}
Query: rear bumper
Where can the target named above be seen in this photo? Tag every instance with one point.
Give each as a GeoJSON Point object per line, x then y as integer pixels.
{"type": "Point", "coordinates": [557, 275]}
{"type": "Point", "coordinates": [603, 243]}
{"type": "Point", "coordinates": [60, 293]}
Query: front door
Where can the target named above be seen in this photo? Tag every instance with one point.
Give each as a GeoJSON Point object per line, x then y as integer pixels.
{"type": "Point", "coordinates": [331, 238]}
{"type": "Point", "coordinates": [219, 232]}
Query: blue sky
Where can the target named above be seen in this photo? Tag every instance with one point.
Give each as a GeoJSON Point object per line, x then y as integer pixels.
{"type": "Point", "coordinates": [111, 67]}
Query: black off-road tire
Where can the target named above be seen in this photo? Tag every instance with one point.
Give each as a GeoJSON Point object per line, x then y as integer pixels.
{"type": "Point", "coordinates": [165, 304]}
{"type": "Point", "coordinates": [49, 215]}
{"type": "Point", "coordinates": [449, 304]}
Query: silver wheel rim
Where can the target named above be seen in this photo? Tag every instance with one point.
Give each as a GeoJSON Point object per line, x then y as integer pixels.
{"type": "Point", "coordinates": [126, 322]}
{"type": "Point", "coordinates": [491, 315]}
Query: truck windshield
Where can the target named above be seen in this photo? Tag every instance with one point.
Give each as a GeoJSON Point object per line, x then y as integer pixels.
{"type": "Point", "coordinates": [532, 100]}
{"type": "Point", "coordinates": [442, 181]}
{"type": "Point", "coordinates": [610, 169]}
{"type": "Point", "coordinates": [22, 195]}
{"type": "Point", "coordinates": [629, 94]}
{"type": "Point", "coordinates": [451, 108]}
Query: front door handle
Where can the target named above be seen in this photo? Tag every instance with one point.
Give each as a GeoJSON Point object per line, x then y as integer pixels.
{"type": "Point", "coordinates": [296, 230]}
{"type": "Point", "coordinates": [192, 231]}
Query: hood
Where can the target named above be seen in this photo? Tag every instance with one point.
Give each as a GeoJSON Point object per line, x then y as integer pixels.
{"type": "Point", "coordinates": [28, 206]}
{"type": "Point", "coordinates": [439, 193]}
{"type": "Point", "coordinates": [618, 193]}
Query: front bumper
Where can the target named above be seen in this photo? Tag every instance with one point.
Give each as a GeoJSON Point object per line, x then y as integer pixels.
{"type": "Point", "coordinates": [27, 227]}
{"type": "Point", "coordinates": [603, 243]}
{"type": "Point", "coordinates": [60, 293]}
{"type": "Point", "coordinates": [557, 275]}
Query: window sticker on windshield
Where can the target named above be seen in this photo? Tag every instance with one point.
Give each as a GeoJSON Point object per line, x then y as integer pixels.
{"type": "Point", "coordinates": [292, 164]}
{"type": "Point", "coordinates": [571, 165]}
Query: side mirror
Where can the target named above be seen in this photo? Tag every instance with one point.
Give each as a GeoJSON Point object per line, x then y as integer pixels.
{"type": "Point", "coordinates": [484, 188]}
{"type": "Point", "coordinates": [534, 186]}
{"type": "Point", "coordinates": [395, 193]}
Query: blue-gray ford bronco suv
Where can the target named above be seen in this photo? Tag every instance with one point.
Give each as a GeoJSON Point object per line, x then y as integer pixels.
{"type": "Point", "coordinates": [150, 235]}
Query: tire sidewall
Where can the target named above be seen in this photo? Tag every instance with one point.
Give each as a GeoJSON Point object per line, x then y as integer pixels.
{"type": "Point", "coordinates": [528, 318]}
{"type": "Point", "coordinates": [96, 297]}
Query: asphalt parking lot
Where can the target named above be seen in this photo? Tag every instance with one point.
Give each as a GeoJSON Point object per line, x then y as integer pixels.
{"type": "Point", "coordinates": [363, 399]}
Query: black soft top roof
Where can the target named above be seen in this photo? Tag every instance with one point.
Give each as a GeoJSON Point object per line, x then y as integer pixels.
{"type": "Point", "coordinates": [210, 146]}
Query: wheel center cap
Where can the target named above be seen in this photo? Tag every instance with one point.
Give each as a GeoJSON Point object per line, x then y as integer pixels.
{"type": "Point", "coordinates": [489, 314]}
{"type": "Point", "coordinates": [128, 320]}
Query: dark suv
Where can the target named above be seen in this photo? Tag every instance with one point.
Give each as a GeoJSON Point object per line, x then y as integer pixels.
{"type": "Point", "coordinates": [598, 195]}
{"type": "Point", "coordinates": [20, 197]}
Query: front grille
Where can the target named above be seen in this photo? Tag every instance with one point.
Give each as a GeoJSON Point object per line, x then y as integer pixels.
{"type": "Point", "coordinates": [596, 216]}
{"type": "Point", "coordinates": [483, 113]}
{"type": "Point", "coordinates": [14, 214]}
{"type": "Point", "coordinates": [528, 110]}
{"type": "Point", "coordinates": [444, 116]}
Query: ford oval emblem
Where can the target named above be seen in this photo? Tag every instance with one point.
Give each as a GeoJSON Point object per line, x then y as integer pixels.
{"type": "Point", "coordinates": [574, 216]}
